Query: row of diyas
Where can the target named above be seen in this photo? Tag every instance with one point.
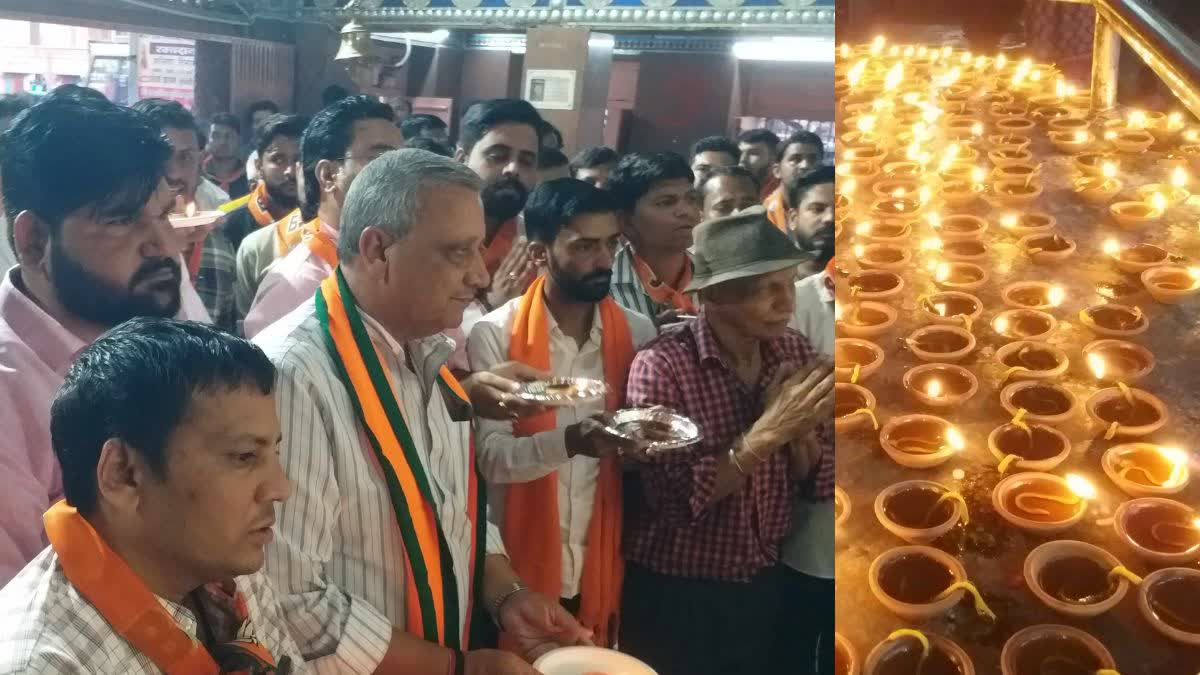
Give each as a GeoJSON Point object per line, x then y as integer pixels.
{"type": "Point", "coordinates": [917, 127]}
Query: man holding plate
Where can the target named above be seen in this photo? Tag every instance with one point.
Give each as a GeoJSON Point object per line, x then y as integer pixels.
{"type": "Point", "coordinates": [554, 478]}
{"type": "Point", "coordinates": [702, 542]}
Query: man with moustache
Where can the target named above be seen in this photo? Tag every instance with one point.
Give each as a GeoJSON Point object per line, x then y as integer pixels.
{"type": "Point", "coordinates": [758, 148]}
{"type": "Point", "coordinates": [800, 154]}
{"type": "Point", "coordinates": [95, 249]}
{"type": "Point", "coordinates": [554, 478]}
{"type": "Point", "coordinates": [810, 200]}
{"type": "Point", "coordinates": [223, 163]}
{"type": "Point", "coordinates": [384, 551]}
{"type": "Point", "coordinates": [274, 196]}
{"type": "Point", "coordinates": [712, 152]}
{"type": "Point", "coordinates": [729, 189]}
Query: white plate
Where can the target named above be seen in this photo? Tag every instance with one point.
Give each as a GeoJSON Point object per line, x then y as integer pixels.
{"type": "Point", "coordinates": [202, 219]}
{"type": "Point", "coordinates": [589, 660]}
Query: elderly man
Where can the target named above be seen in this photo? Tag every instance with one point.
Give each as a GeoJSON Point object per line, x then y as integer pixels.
{"type": "Point", "coordinates": [167, 436]}
{"type": "Point", "coordinates": [799, 155]}
{"type": "Point", "coordinates": [703, 582]}
{"type": "Point", "coordinates": [95, 249]}
{"type": "Point", "coordinates": [555, 481]}
{"type": "Point", "coordinates": [385, 549]}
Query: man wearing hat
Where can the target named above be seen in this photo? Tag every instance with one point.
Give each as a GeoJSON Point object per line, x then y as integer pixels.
{"type": "Point", "coordinates": [704, 524]}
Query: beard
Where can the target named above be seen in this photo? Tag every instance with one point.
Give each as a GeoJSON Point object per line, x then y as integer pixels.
{"type": "Point", "coordinates": [503, 199]}
{"type": "Point", "coordinates": [588, 289]}
{"type": "Point", "coordinates": [820, 245]}
{"type": "Point", "coordinates": [283, 195]}
{"type": "Point", "coordinates": [93, 299]}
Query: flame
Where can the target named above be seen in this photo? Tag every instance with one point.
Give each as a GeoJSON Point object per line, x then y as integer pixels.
{"type": "Point", "coordinates": [877, 44]}
{"type": "Point", "coordinates": [1196, 523]}
{"type": "Point", "coordinates": [908, 52]}
{"type": "Point", "coordinates": [922, 50]}
{"type": "Point", "coordinates": [894, 50]}
{"type": "Point", "coordinates": [894, 76]}
{"type": "Point", "coordinates": [862, 229]}
{"type": "Point", "coordinates": [1111, 247]}
{"type": "Point", "coordinates": [1060, 88]}
{"type": "Point", "coordinates": [931, 244]}
{"type": "Point", "coordinates": [924, 194]}
{"type": "Point", "coordinates": [1009, 220]}
{"type": "Point", "coordinates": [965, 58]}
{"type": "Point", "coordinates": [947, 51]}
{"type": "Point", "coordinates": [1097, 365]}
{"type": "Point", "coordinates": [1036, 76]}
{"type": "Point", "coordinates": [859, 250]}
{"type": "Point", "coordinates": [980, 62]}
{"type": "Point", "coordinates": [1070, 90]}
{"type": "Point", "coordinates": [1001, 61]}
{"type": "Point", "coordinates": [1137, 119]}
{"type": "Point", "coordinates": [1194, 272]}
{"type": "Point", "coordinates": [914, 152]}
{"type": "Point", "coordinates": [899, 193]}
{"type": "Point", "coordinates": [1159, 202]}
{"type": "Point", "coordinates": [1191, 135]}
{"type": "Point", "coordinates": [1179, 177]}
{"type": "Point", "coordinates": [954, 439]}
{"type": "Point", "coordinates": [952, 151]}
{"type": "Point", "coordinates": [1109, 170]}
{"type": "Point", "coordinates": [1175, 456]}
{"type": "Point", "coordinates": [856, 72]}
{"type": "Point", "coordinates": [978, 174]}
{"type": "Point", "coordinates": [1081, 137]}
{"type": "Point", "coordinates": [1001, 324]}
{"type": "Point", "coordinates": [1056, 295]}
{"type": "Point", "coordinates": [977, 129]}
{"type": "Point", "coordinates": [933, 389]}
{"type": "Point", "coordinates": [943, 272]}
{"type": "Point", "coordinates": [849, 185]}
{"type": "Point", "coordinates": [1174, 120]}
{"type": "Point", "coordinates": [851, 154]}
{"type": "Point", "coordinates": [1109, 135]}
{"type": "Point", "coordinates": [935, 220]}
{"type": "Point", "coordinates": [190, 210]}
{"type": "Point", "coordinates": [1081, 486]}
{"type": "Point", "coordinates": [844, 50]}
{"type": "Point", "coordinates": [940, 307]}
{"type": "Point", "coordinates": [866, 124]}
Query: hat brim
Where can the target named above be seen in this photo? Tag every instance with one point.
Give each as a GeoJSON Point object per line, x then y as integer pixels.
{"type": "Point", "coordinates": [752, 270]}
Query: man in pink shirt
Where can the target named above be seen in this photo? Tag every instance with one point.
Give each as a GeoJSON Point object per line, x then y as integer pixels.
{"type": "Point", "coordinates": [95, 249]}
{"type": "Point", "coordinates": [338, 142]}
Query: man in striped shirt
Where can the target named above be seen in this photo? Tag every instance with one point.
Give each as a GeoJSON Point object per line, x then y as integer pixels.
{"type": "Point", "coordinates": [345, 560]}
{"type": "Point", "coordinates": [658, 208]}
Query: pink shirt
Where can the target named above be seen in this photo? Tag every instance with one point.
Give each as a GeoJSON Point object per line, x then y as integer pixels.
{"type": "Point", "coordinates": [35, 352]}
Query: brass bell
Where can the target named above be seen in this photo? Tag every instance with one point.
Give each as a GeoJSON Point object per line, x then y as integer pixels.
{"type": "Point", "coordinates": [356, 42]}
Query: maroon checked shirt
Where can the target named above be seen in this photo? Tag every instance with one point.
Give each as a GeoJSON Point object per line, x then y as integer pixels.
{"type": "Point", "coordinates": [667, 527]}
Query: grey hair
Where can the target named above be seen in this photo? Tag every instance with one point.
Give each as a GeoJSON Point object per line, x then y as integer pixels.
{"type": "Point", "coordinates": [388, 193]}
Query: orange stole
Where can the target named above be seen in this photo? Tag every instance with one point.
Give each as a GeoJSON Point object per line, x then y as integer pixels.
{"type": "Point", "coordinates": [257, 204]}
{"type": "Point", "coordinates": [289, 231]}
{"type": "Point", "coordinates": [320, 243]}
{"type": "Point", "coordinates": [531, 517]}
{"type": "Point", "coordinates": [501, 244]}
{"type": "Point", "coordinates": [775, 211]}
{"type": "Point", "coordinates": [662, 293]}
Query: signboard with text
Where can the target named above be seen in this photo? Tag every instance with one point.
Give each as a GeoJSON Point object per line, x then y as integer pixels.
{"type": "Point", "coordinates": [167, 69]}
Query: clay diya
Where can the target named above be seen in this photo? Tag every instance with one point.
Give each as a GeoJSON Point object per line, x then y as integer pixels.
{"type": "Point", "coordinates": [917, 583]}
{"type": "Point", "coordinates": [1007, 157]}
{"type": "Point", "coordinates": [951, 308]}
{"type": "Point", "coordinates": [855, 360]}
{"type": "Point", "coordinates": [1024, 324]}
{"type": "Point", "coordinates": [900, 208]}
{"type": "Point", "coordinates": [1030, 360]}
{"type": "Point", "coordinates": [944, 344]}
{"type": "Point", "coordinates": [1097, 189]}
{"type": "Point", "coordinates": [864, 173]}
{"type": "Point", "coordinates": [853, 407]}
{"type": "Point", "coordinates": [1041, 502]}
{"type": "Point", "coordinates": [1028, 447]}
{"type": "Point", "coordinates": [1127, 412]}
{"type": "Point", "coordinates": [895, 188]}
{"type": "Point", "coordinates": [1130, 214]}
{"type": "Point", "coordinates": [1009, 110]}
{"type": "Point", "coordinates": [1092, 163]}
{"type": "Point", "coordinates": [1136, 259]}
{"type": "Point", "coordinates": [841, 506]}
{"type": "Point", "coordinates": [1026, 224]}
{"type": "Point", "coordinates": [1160, 531]}
{"type": "Point", "coordinates": [960, 276]}
{"type": "Point", "coordinates": [960, 227]}
{"type": "Point", "coordinates": [1174, 196]}
{"type": "Point", "coordinates": [1009, 142]}
{"type": "Point", "coordinates": [920, 511]}
{"type": "Point", "coordinates": [1042, 401]}
{"type": "Point", "coordinates": [1024, 171]}
{"type": "Point", "coordinates": [1047, 113]}
{"type": "Point", "coordinates": [866, 154]}
{"type": "Point", "coordinates": [941, 385]}
{"type": "Point", "coordinates": [904, 169]}
{"type": "Point", "coordinates": [1169, 284]}
{"type": "Point", "coordinates": [1016, 125]}
{"type": "Point", "coordinates": [1170, 600]}
{"type": "Point", "coordinates": [1071, 142]}
{"type": "Point", "coordinates": [1076, 578]}
{"type": "Point", "coordinates": [883, 257]}
{"type": "Point", "coordinates": [864, 319]}
{"type": "Point", "coordinates": [960, 193]}
{"type": "Point", "coordinates": [884, 232]}
{"type": "Point", "coordinates": [905, 654]}
{"type": "Point", "coordinates": [874, 285]}
{"type": "Point", "coordinates": [1032, 295]}
{"type": "Point", "coordinates": [1111, 320]}
{"type": "Point", "coordinates": [1046, 649]}
{"type": "Point", "coordinates": [920, 441]}
{"type": "Point", "coordinates": [1066, 125]}
{"type": "Point", "coordinates": [1046, 248]}
{"type": "Point", "coordinates": [1131, 140]}
{"type": "Point", "coordinates": [845, 660]}
{"type": "Point", "coordinates": [1010, 193]}
{"type": "Point", "coordinates": [1118, 361]}
{"type": "Point", "coordinates": [966, 250]}
{"type": "Point", "coordinates": [1146, 470]}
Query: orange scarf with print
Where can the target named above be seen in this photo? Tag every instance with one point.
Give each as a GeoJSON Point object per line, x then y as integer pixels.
{"type": "Point", "coordinates": [531, 527]}
{"type": "Point", "coordinates": [662, 293]}
{"type": "Point", "coordinates": [320, 243]}
{"type": "Point", "coordinates": [259, 203]}
{"type": "Point", "coordinates": [289, 231]}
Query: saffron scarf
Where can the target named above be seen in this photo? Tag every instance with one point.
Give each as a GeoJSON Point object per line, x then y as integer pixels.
{"type": "Point", "coordinates": [431, 589]}
{"type": "Point", "coordinates": [320, 243]}
{"type": "Point", "coordinates": [289, 231]}
{"type": "Point", "coordinates": [662, 293]}
{"type": "Point", "coordinates": [500, 246]}
{"type": "Point", "coordinates": [531, 517]}
{"type": "Point", "coordinates": [127, 605]}
{"type": "Point", "coordinates": [259, 203]}
{"type": "Point", "coordinates": [775, 211]}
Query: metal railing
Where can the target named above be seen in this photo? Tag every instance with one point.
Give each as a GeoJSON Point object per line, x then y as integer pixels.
{"type": "Point", "coordinates": [1170, 53]}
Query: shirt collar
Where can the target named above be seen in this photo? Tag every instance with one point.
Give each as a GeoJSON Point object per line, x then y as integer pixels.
{"type": "Point", "coordinates": [823, 289]}
{"type": "Point", "coordinates": [51, 341]}
{"type": "Point", "coordinates": [710, 352]}
{"type": "Point", "coordinates": [594, 335]}
{"type": "Point", "coordinates": [428, 355]}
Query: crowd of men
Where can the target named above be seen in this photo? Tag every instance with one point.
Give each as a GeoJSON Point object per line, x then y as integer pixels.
{"type": "Point", "coordinates": [293, 441]}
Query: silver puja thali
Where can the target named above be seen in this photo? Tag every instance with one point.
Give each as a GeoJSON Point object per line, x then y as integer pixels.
{"type": "Point", "coordinates": [659, 428]}
{"type": "Point", "coordinates": [563, 391]}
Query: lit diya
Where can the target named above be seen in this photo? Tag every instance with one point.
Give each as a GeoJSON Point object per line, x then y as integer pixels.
{"type": "Point", "coordinates": [1127, 412]}
{"type": "Point", "coordinates": [1093, 163]}
{"type": "Point", "coordinates": [864, 319]}
{"type": "Point", "coordinates": [845, 660]}
{"type": "Point", "coordinates": [855, 360]}
{"type": "Point", "coordinates": [1146, 470]}
{"type": "Point", "coordinates": [1009, 142]}
{"type": "Point", "coordinates": [920, 441]}
{"type": "Point", "coordinates": [1042, 401]}
{"type": "Point", "coordinates": [1169, 284]}
{"type": "Point", "coordinates": [1175, 193]}
{"type": "Point", "coordinates": [1066, 125]}
{"type": "Point", "coordinates": [1026, 224]}
{"type": "Point", "coordinates": [1023, 171]}
{"type": "Point", "coordinates": [961, 276]}
{"type": "Point", "coordinates": [1071, 142]}
{"type": "Point", "coordinates": [946, 344]}
{"type": "Point", "coordinates": [1130, 214]}
{"type": "Point", "coordinates": [864, 173]}
{"type": "Point", "coordinates": [884, 232]}
{"type": "Point", "coordinates": [1170, 600]}
{"type": "Point", "coordinates": [1117, 360]}
{"type": "Point", "coordinates": [1098, 190]}
{"type": "Point", "coordinates": [1031, 360]}
{"type": "Point", "coordinates": [1024, 324]}
{"type": "Point", "coordinates": [959, 227]}
{"type": "Point", "coordinates": [1042, 502]}
{"type": "Point", "coordinates": [1130, 140]}
{"type": "Point", "coordinates": [874, 285]}
{"type": "Point", "coordinates": [903, 169]}
{"type": "Point", "coordinates": [841, 506]}
{"type": "Point", "coordinates": [1046, 248]}
{"type": "Point", "coordinates": [1032, 295]}
{"type": "Point", "coordinates": [951, 308]}
{"type": "Point", "coordinates": [1010, 110]}
{"type": "Point", "coordinates": [1135, 259]}
{"type": "Point", "coordinates": [918, 583]}
{"type": "Point", "coordinates": [920, 511]}
{"type": "Point", "coordinates": [895, 188]}
{"type": "Point", "coordinates": [1011, 193]}
{"type": "Point", "coordinates": [1028, 446]}
{"type": "Point", "coordinates": [893, 207]}
{"type": "Point", "coordinates": [910, 652]}
{"type": "Point", "coordinates": [1112, 320]}
{"type": "Point", "coordinates": [941, 385]}
{"type": "Point", "coordinates": [966, 250]}
{"type": "Point", "coordinates": [883, 256]}
{"type": "Point", "coordinates": [1076, 578]}
{"type": "Point", "coordinates": [853, 407]}
{"type": "Point", "coordinates": [1051, 649]}
{"type": "Point", "coordinates": [960, 193]}
{"type": "Point", "coordinates": [1006, 157]}
{"type": "Point", "coordinates": [1049, 113]}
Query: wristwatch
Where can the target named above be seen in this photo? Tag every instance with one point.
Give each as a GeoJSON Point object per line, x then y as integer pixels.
{"type": "Point", "coordinates": [498, 602]}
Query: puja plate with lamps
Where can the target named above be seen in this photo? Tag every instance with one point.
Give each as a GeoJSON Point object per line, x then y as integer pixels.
{"type": "Point", "coordinates": [658, 428]}
{"type": "Point", "coordinates": [562, 392]}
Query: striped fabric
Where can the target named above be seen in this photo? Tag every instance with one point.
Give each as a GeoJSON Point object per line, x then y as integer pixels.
{"type": "Point", "coordinates": [627, 288]}
{"type": "Point", "coordinates": [338, 558]}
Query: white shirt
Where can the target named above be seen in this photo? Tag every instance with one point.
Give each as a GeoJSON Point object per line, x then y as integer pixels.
{"type": "Point", "coordinates": [505, 458]}
{"type": "Point", "coordinates": [47, 627]}
{"type": "Point", "coordinates": [337, 558]}
{"type": "Point", "coordinates": [814, 313]}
